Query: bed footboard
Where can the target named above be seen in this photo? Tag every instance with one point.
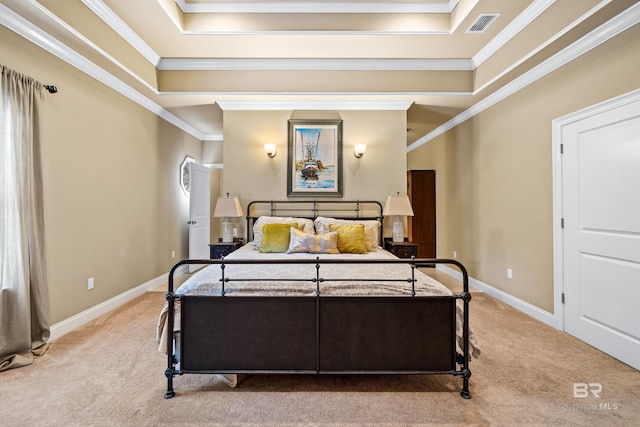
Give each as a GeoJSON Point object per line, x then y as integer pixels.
{"type": "Point", "coordinates": [318, 334]}
{"type": "Point", "coordinates": [248, 334]}
{"type": "Point", "coordinates": [386, 334]}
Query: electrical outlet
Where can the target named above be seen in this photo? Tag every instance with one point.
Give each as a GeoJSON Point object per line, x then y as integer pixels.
{"type": "Point", "coordinates": [173, 254]}
{"type": "Point", "coordinates": [90, 283]}
{"type": "Point", "coordinates": [455, 255]}
{"type": "Point", "coordinates": [509, 273]}
{"type": "Point", "coordinates": [235, 232]}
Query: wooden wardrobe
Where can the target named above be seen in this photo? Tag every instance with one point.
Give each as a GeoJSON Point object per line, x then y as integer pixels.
{"type": "Point", "coordinates": [421, 189]}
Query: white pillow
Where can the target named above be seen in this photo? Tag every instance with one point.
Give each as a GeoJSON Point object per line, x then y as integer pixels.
{"type": "Point", "coordinates": [304, 224]}
{"type": "Point", "coordinates": [301, 242]}
{"type": "Point", "coordinates": [371, 229]}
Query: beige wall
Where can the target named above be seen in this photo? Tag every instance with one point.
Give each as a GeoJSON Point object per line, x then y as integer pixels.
{"type": "Point", "coordinates": [114, 210]}
{"type": "Point", "coordinates": [494, 172]}
{"type": "Point", "coordinates": [249, 174]}
{"type": "Point", "coordinates": [113, 206]}
{"type": "Point", "coordinates": [215, 229]}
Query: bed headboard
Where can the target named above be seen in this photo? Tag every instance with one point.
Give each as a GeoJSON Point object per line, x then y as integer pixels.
{"type": "Point", "coordinates": [311, 209]}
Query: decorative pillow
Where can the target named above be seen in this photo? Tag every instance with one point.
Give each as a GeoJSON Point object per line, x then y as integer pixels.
{"type": "Point", "coordinates": [303, 224]}
{"type": "Point", "coordinates": [325, 243]}
{"type": "Point", "coordinates": [276, 237]}
{"type": "Point", "coordinates": [371, 229]}
{"type": "Point", "coordinates": [350, 238]}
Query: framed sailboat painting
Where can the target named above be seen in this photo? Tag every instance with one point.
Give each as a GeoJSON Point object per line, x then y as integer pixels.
{"type": "Point", "coordinates": [315, 158]}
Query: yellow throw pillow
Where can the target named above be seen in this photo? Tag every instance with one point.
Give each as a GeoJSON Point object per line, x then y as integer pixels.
{"type": "Point", "coordinates": [276, 237]}
{"type": "Point", "coordinates": [303, 224]}
{"type": "Point", "coordinates": [350, 238]}
{"type": "Point", "coordinates": [325, 243]}
{"type": "Point", "coordinates": [371, 229]}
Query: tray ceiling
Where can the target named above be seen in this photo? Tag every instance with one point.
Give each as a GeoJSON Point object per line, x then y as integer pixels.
{"type": "Point", "coordinates": [192, 58]}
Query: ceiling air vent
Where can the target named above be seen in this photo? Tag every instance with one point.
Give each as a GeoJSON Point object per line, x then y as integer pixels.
{"type": "Point", "coordinates": [482, 22]}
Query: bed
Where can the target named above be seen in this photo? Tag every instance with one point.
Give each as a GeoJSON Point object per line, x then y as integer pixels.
{"type": "Point", "coordinates": [324, 305]}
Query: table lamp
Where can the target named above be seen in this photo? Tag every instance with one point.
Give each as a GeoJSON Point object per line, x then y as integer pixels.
{"type": "Point", "coordinates": [227, 207]}
{"type": "Point", "coordinates": [398, 206]}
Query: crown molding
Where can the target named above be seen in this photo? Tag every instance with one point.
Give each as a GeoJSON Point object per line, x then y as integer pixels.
{"type": "Point", "coordinates": [313, 32]}
{"type": "Point", "coordinates": [392, 95]}
{"type": "Point", "coordinates": [313, 64]}
{"type": "Point", "coordinates": [318, 7]}
{"type": "Point", "coordinates": [313, 105]}
{"type": "Point", "coordinates": [212, 137]}
{"type": "Point", "coordinates": [311, 7]}
{"type": "Point", "coordinates": [39, 37]}
{"type": "Point", "coordinates": [540, 47]}
{"type": "Point", "coordinates": [512, 29]}
{"type": "Point", "coordinates": [105, 13]}
{"type": "Point", "coordinates": [39, 10]}
{"type": "Point", "coordinates": [606, 31]}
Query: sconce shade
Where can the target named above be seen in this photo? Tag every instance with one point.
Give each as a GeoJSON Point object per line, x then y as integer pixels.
{"type": "Point", "coordinates": [270, 149]}
{"type": "Point", "coordinates": [228, 207]}
{"type": "Point", "coordinates": [359, 149]}
{"type": "Point", "coordinates": [397, 205]}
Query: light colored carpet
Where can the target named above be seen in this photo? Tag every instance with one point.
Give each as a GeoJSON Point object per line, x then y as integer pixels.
{"type": "Point", "coordinates": [108, 373]}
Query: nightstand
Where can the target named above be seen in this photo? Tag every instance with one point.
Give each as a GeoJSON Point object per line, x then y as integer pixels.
{"type": "Point", "coordinates": [218, 250]}
{"type": "Point", "coordinates": [404, 249]}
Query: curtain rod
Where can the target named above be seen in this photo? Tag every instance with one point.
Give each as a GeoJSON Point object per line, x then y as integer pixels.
{"type": "Point", "coordinates": [50, 88]}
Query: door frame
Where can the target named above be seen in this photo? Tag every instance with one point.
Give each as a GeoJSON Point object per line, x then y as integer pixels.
{"type": "Point", "coordinates": [558, 235]}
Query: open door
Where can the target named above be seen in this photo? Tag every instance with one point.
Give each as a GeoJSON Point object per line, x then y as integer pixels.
{"type": "Point", "coordinates": [199, 209]}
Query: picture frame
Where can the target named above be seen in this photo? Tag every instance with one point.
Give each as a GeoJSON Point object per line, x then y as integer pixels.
{"type": "Point", "coordinates": [314, 163]}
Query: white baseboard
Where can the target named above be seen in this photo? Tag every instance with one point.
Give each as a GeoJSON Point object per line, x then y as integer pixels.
{"type": "Point", "coordinates": [68, 325]}
{"type": "Point", "coordinates": [523, 306]}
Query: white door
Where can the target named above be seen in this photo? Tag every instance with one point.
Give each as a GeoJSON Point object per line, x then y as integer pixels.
{"type": "Point", "coordinates": [601, 238]}
{"type": "Point", "coordinates": [199, 183]}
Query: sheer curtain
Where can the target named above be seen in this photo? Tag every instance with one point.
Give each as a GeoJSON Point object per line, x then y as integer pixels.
{"type": "Point", "coordinates": [24, 301]}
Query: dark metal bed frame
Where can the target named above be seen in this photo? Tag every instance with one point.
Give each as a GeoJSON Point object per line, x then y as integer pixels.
{"type": "Point", "coordinates": [317, 334]}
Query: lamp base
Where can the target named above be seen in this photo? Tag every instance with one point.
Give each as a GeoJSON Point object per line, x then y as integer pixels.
{"type": "Point", "coordinates": [227, 231]}
{"type": "Point", "coordinates": [398, 230]}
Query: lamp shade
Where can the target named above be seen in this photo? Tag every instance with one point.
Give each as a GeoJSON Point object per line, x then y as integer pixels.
{"type": "Point", "coordinates": [228, 207]}
{"type": "Point", "coordinates": [270, 149]}
{"type": "Point", "coordinates": [359, 149]}
{"type": "Point", "coordinates": [397, 205]}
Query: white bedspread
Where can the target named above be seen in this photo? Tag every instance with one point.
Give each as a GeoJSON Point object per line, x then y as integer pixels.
{"type": "Point", "coordinates": [207, 282]}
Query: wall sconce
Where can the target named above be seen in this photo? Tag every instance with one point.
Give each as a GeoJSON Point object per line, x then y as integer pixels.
{"type": "Point", "coordinates": [270, 149]}
{"type": "Point", "coordinates": [359, 149]}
